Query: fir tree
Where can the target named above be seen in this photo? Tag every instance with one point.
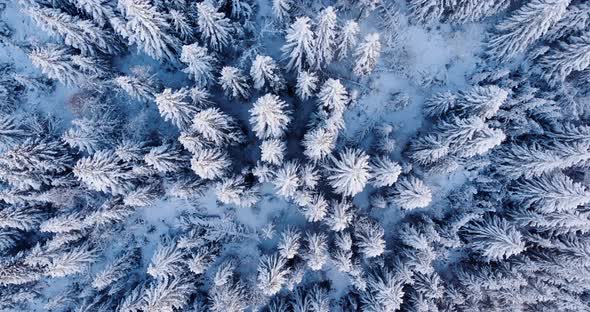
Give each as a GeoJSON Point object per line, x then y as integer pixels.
{"type": "Point", "coordinates": [213, 26]}
{"type": "Point", "coordinates": [104, 172]}
{"type": "Point", "coordinates": [300, 45]}
{"type": "Point", "coordinates": [200, 63]}
{"type": "Point", "coordinates": [265, 72]}
{"type": "Point", "coordinates": [166, 262]}
{"type": "Point", "coordinates": [411, 193]}
{"type": "Point", "coordinates": [166, 158]}
{"type": "Point", "coordinates": [290, 243]}
{"type": "Point", "coordinates": [316, 253]}
{"type": "Point", "coordinates": [333, 95]}
{"type": "Point", "coordinates": [71, 261]}
{"type": "Point", "coordinates": [367, 55]}
{"type": "Point", "coordinates": [474, 11]}
{"type": "Point", "coordinates": [326, 36]}
{"type": "Point", "coordinates": [340, 215]}
{"type": "Point", "coordinates": [287, 180]}
{"type": "Point", "coordinates": [217, 127]}
{"type": "Point", "coordinates": [117, 269]}
{"type": "Point", "coordinates": [571, 55]}
{"type": "Point", "coordinates": [210, 163]}
{"type": "Point", "coordinates": [306, 84]}
{"type": "Point", "coordinates": [272, 274]}
{"type": "Point", "coordinates": [550, 193]}
{"type": "Point", "coordinates": [168, 295]}
{"type": "Point", "coordinates": [77, 33]}
{"type": "Point", "coordinates": [384, 172]}
{"type": "Point", "coordinates": [426, 11]}
{"type": "Point", "coordinates": [347, 39]}
{"type": "Point", "coordinates": [316, 209]}
{"type": "Point", "coordinates": [281, 8]}
{"type": "Point", "coordinates": [175, 107]}
{"type": "Point", "coordinates": [149, 30]}
{"type": "Point", "coordinates": [319, 143]}
{"type": "Point", "coordinates": [349, 172]}
{"type": "Point", "coordinates": [10, 131]}
{"type": "Point", "coordinates": [233, 82]}
{"type": "Point", "coordinates": [269, 117]}
{"type": "Point", "coordinates": [495, 239]}
{"type": "Point", "coordinates": [532, 160]}
{"type": "Point", "coordinates": [272, 151]}
{"type": "Point", "coordinates": [370, 238]}
{"type": "Point", "coordinates": [525, 26]}
{"type": "Point", "coordinates": [56, 63]}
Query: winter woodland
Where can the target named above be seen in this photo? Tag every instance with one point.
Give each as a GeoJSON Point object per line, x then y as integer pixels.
{"type": "Point", "coordinates": [294, 155]}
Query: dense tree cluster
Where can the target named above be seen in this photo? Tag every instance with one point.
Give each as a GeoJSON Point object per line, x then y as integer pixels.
{"type": "Point", "coordinates": [204, 160]}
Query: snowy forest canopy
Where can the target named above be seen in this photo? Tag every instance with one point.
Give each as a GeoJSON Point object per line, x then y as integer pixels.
{"type": "Point", "coordinates": [294, 155]}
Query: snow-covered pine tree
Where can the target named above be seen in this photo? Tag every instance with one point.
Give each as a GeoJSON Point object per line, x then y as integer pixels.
{"type": "Point", "coordinates": [149, 30]}
{"type": "Point", "coordinates": [290, 243]}
{"type": "Point", "coordinates": [176, 107]}
{"type": "Point", "coordinates": [117, 269]}
{"type": "Point", "coordinates": [37, 156]}
{"type": "Point", "coordinates": [76, 32]}
{"type": "Point", "coordinates": [11, 131]}
{"type": "Point", "coordinates": [281, 9]}
{"type": "Point", "coordinates": [384, 172]}
{"type": "Point", "coordinates": [214, 27]}
{"type": "Point", "coordinates": [272, 274]}
{"type": "Point", "coordinates": [495, 238]}
{"type": "Point", "coordinates": [200, 64]}
{"type": "Point", "coordinates": [167, 158]}
{"type": "Point", "coordinates": [20, 217]}
{"type": "Point", "coordinates": [269, 117]}
{"type": "Point", "coordinates": [333, 95]}
{"type": "Point", "coordinates": [210, 163]}
{"type": "Point", "coordinates": [347, 39]}
{"type": "Point", "coordinates": [168, 295]}
{"type": "Point", "coordinates": [550, 193]}
{"type": "Point", "coordinates": [287, 179]}
{"type": "Point", "coordinates": [571, 55]}
{"type": "Point", "coordinates": [370, 235]}
{"type": "Point", "coordinates": [306, 84]}
{"type": "Point", "coordinates": [181, 24]}
{"type": "Point", "coordinates": [71, 261]}
{"type": "Point", "coordinates": [319, 143]}
{"type": "Point", "coordinates": [470, 11]}
{"type": "Point", "coordinates": [234, 191]}
{"type": "Point", "coordinates": [481, 101]}
{"type": "Point", "coordinates": [234, 83]}
{"type": "Point", "coordinates": [265, 72]}
{"type": "Point", "coordinates": [316, 209]}
{"type": "Point", "coordinates": [574, 21]}
{"type": "Point", "coordinates": [300, 46]}
{"type": "Point", "coordinates": [367, 54]}
{"type": "Point", "coordinates": [349, 173]}
{"type": "Point", "coordinates": [56, 63]}
{"type": "Point", "coordinates": [272, 151]}
{"type": "Point", "coordinates": [167, 261]}
{"type": "Point", "coordinates": [533, 160]}
{"type": "Point", "coordinates": [426, 11]}
{"type": "Point", "coordinates": [316, 253]}
{"type": "Point", "coordinates": [104, 172]}
{"type": "Point", "coordinates": [325, 36]}
{"type": "Point", "coordinates": [216, 126]}
{"type": "Point", "coordinates": [340, 215]}
{"type": "Point", "coordinates": [139, 86]}
{"type": "Point", "coordinates": [101, 11]}
{"type": "Point", "coordinates": [525, 26]}
{"type": "Point", "coordinates": [411, 193]}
